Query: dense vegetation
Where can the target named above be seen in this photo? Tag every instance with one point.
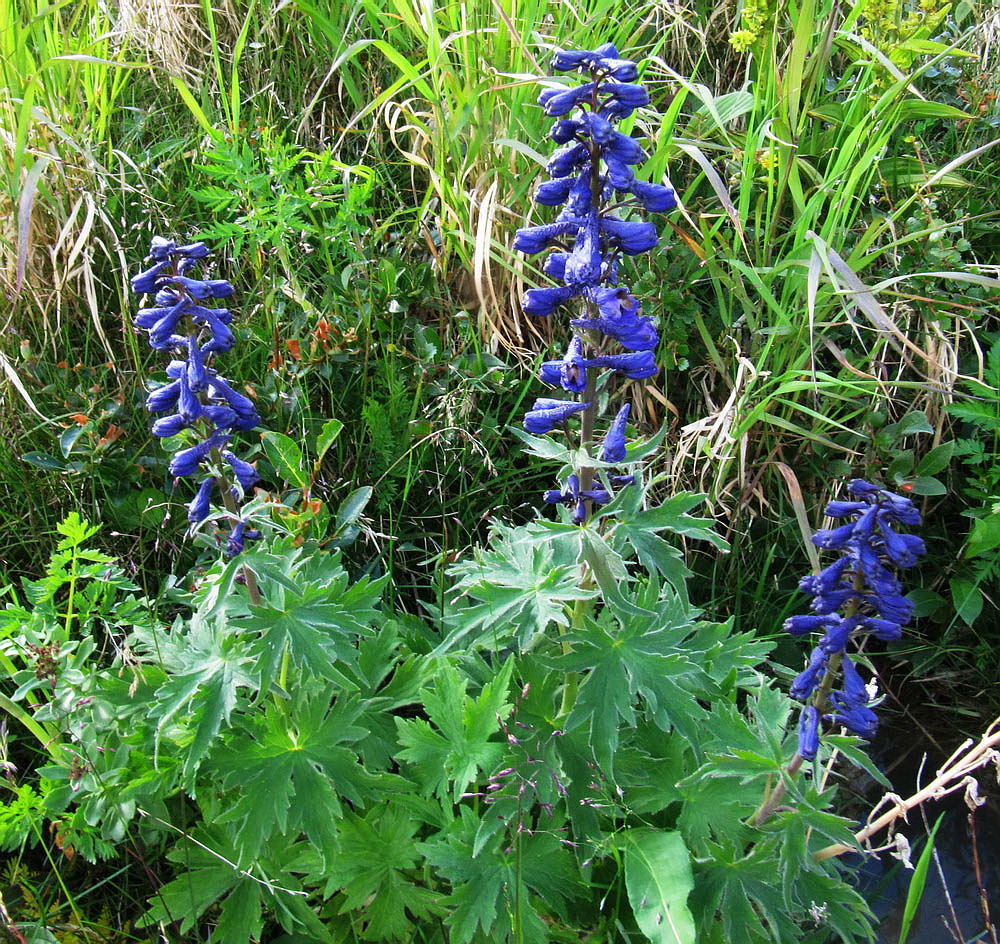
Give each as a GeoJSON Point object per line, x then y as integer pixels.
{"type": "Point", "coordinates": [450, 713]}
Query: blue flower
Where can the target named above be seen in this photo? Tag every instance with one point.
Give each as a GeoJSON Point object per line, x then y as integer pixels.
{"type": "Point", "coordinates": [195, 398]}
{"type": "Point", "coordinates": [809, 732]}
{"type": "Point", "coordinates": [614, 440]}
{"type": "Point", "coordinates": [653, 197]}
{"type": "Point", "coordinates": [857, 593]}
{"type": "Point", "coordinates": [532, 239]}
{"type": "Point", "coordinates": [187, 461]}
{"type": "Point", "coordinates": [558, 102]}
{"type": "Point", "coordinates": [543, 301]}
{"type": "Point", "coordinates": [546, 414]}
{"type": "Point", "coordinates": [632, 237]}
{"type": "Point", "coordinates": [807, 681]}
{"type": "Point", "coordinates": [604, 59]}
{"type": "Point", "coordinates": [619, 319]}
{"type": "Point", "coordinates": [635, 366]}
{"type": "Point", "coordinates": [622, 99]}
{"type": "Point", "coordinates": [245, 473]}
{"type": "Point", "coordinates": [592, 176]}
{"type": "Point", "coordinates": [577, 498]}
{"type": "Point", "coordinates": [238, 536]}
{"type": "Point", "coordinates": [570, 373]}
{"type": "Point", "coordinates": [200, 505]}
{"type": "Point", "coordinates": [554, 192]}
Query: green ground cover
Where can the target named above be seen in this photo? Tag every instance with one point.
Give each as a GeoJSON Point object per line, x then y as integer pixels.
{"type": "Point", "coordinates": [369, 751]}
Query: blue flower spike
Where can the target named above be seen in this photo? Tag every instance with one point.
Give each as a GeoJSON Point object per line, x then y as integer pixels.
{"type": "Point", "coordinates": [594, 183]}
{"type": "Point", "coordinates": [199, 404]}
{"type": "Point", "coordinates": [857, 595]}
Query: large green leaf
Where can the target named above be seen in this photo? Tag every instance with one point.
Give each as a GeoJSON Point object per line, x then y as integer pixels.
{"type": "Point", "coordinates": [455, 745]}
{"type": "Point", "coordinates": [658, 880]}
{"type": "Point", "coordinates": [623, 662]}
{"type": "Point", "coordinates": [521, 586]}
{"type": "Point", "coordinates": [288, 772]}
{"type": "Point", "coordinates": [370, 871]}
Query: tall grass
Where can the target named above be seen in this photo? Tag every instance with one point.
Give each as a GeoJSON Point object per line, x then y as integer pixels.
{"type": "Point", "coordinates": [796, 218]}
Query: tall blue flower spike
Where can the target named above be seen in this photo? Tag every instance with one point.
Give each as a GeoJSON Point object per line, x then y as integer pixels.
{"type": "Point", "coordinates": [594, 183]}
{"type": "Point", "coordinates": [857, 594]}
{"type": "Point", "coordinates": [196, 402]}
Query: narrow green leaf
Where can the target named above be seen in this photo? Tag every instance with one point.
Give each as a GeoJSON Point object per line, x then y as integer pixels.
{"type": "Point", "coordinates": [967, 599]}
{"type": "Point", "coordinates": [327, 436]}
{"type": "Point", "coordinates": [68, 440]}
{"type": "Point", "coordinates": [286, 457]}
{"type": "Point", "coordinates": [925, 485]}
{"type": "Point", "coordinates": [352, 506]}
{"type": "Point", "coordinates": [658, 879]}
{"type": "Point", "coordinates": [915, 422]}
{"type": "Point", "coordinates": [44, 461]}
{"type": "Point", "coordinates": [937, 459]}
{"type": "Point", "coordinates": [985, 536]}
{"type": "Point", "coordinates": [194, 107]}
{"type": "Point", "coordinates": [916, 890]}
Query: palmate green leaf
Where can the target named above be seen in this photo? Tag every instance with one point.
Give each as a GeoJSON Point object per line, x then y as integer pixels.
{"type": "Point", "coordinates": [207, 873]}
{"type": "Point", "coordinates": [640, 529]}
{"type": "Point", "coordinates": [742, 890]}
{"type": "Point", "coordinates": [622, 662]}
{"type": "Point", "coordinates": [387, 677]}
{"type": "Point", "coordinates": [522, 585]}
{"type": "Point", "coordinates": [455, 745]}
{"type": "Point", "coordinates": [289, 770]}
{"type": "Point", "coordinates": [241, 919]}
{"type": "Point", "coordinates": [672, 515]}
{"type": "Point", "coordinates": [484, 885]}
{"type": "Point", "coordinates": [318, 622]}
{"type": "Point", "coordinates": [658, 880]}
{"type": "Point", "coordinates": [375, 852]}
{"type": "Point", "coordinates": [207, 666]}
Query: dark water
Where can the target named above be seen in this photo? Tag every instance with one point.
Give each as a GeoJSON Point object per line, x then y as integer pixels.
{"type": "Point", "coordinates": [885, 881]}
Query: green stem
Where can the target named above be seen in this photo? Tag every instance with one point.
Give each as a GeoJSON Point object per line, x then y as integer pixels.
{"type": "Point", "coordinates": [576, 621]}
{"type": "Point", "coordinates": [71, 599]}
{"type": "Point", "coordinates": [47, 738]}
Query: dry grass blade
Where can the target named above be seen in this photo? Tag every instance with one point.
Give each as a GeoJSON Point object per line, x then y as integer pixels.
{"type": "Point", "coordinates": [15, 381]}
{"type": "Point", "coordinates": [801, 518]}
{"type": "Point", "coordinates": [25, 206]}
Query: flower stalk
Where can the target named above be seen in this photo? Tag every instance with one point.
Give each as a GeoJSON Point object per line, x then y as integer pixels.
{"type": "Point", "coordinates": [593, 180]}
{"type": "Point", "coordinates": [856, 596]}
{"type": "Point", "coordinates": [197, 404]}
